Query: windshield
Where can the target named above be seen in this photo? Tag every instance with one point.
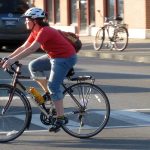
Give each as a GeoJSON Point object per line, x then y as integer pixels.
{"type": "Point", "coordinates": [13, 6]}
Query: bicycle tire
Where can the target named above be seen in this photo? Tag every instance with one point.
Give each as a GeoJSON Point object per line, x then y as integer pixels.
{"type": "Point", "coordinates": [87, 123]}
{"type": "Point", "coordinates": [17, 116]}
{"type": "Point", "coordinates": [120, 39]}
{"type": "Point", "coordinates": [99, 39]}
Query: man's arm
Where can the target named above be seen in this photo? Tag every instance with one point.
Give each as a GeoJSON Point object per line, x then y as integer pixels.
{"type": "Point", "coordinates": [19, 49]}
{"type": "Point", "coordinates": [25, 52]}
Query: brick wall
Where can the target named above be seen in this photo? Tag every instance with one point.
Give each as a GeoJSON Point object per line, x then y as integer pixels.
{"type": "Point", "coordinates": [64, 12]}
{"type": "Point", "coordinates": [148, 14]}
{"type": "Point", "coordinates": [38, 3]}
{"type": "Point", "coordinates": [99, 5]}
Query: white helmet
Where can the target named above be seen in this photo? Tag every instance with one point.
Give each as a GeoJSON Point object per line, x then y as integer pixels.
{"type": "Point", "coordinates": [34, 13]}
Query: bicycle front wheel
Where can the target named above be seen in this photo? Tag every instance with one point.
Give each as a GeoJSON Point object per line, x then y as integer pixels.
{"type": "Point", "coordinates": [120, 39]}
{"type": "Point", "coordinates": [14, 115]}
{"type": "Point", "coordinates": [87, 109]}
{"type": "Point", "coordinates": [99, 39]}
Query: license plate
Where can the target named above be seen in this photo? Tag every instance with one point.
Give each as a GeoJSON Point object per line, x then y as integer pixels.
{"type": "Point", "coordinates": [10, 22]}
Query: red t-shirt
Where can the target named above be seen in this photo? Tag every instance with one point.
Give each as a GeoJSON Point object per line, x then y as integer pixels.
{"type": "Point", "coordinates": [52, 42]}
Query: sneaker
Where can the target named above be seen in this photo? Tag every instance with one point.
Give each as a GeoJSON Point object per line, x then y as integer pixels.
{"type": "Point", "coordinates": [58, 124]}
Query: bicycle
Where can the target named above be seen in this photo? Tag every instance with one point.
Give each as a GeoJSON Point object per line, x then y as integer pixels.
{"type": "Point", "coordinates": [114, 33]}
{"type": "Point", "coordinates": [86, 107]}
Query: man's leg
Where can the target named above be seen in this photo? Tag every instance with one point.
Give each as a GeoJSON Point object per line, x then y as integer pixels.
{"type": "Point", "coordinates": [37, 68]}
{"type": "Point", "coordinates": [59, 70]}
{"type": "Point", "coordinates": [43, 84]}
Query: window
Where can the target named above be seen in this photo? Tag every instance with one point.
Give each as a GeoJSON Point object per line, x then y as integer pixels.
{"type": "Point", "coordinates": [111, 8]}
{"type": "Point", "coordinates": [50, 12]}
{"type": "Point", "coordinates": [120, 8]}
{"type": "Point", "coordinates": [53, 10]}
{"type": "Point", "coordinates": [115, 8]}
{"type": "Point", "coordinates": [73, 11]}
{"type": "Point", "coordinates": [83, 14]}
{"type": "Point", "coordinates": [92, 11]}
{"type": "Point", "coordinates": [57, 10]}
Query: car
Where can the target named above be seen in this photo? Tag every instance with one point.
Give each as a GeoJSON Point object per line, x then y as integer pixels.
{"type": "Point", "coordinates": [12, 25]}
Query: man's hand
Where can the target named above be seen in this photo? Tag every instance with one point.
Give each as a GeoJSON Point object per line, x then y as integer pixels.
{"type": "Point", "coordinates": [7, 64]}
{"type": "Point", "coordinates": [1, 62]}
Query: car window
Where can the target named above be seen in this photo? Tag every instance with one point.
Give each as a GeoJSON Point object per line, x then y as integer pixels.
{"type": "Point", "coordinates": [13, 6]}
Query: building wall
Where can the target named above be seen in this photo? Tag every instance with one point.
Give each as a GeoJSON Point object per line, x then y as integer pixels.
{"type": "Point", "coordinates": [99, 16]}
{"type": "Point", "coordinates": [38, 3]}
{"type": "Point", "coordinates": [63, 12]}
{"type": "Point", "coordinates": [147, 14]}
{"type": "Point", "coordinates": [134, 13]}
{"type": "Point", "coordinates": [136, 16]}
{"type": "Point", "coordinates": [99, 5]}
{"type": "Point", "coordinates": [64, 18]}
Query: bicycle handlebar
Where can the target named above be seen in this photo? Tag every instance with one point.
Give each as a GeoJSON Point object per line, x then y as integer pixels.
{"type": "Point", "coordinates": [15, 68]}
{"type": "Point", "coordinates": [12, 67]}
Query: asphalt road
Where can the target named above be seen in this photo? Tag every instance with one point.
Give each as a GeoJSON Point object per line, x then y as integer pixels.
{"type": "Point", "coordinates": [127, 87]}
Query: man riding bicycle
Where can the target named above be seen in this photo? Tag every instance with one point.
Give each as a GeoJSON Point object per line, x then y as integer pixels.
{"type": "Point", "coordinates": [60, 58]}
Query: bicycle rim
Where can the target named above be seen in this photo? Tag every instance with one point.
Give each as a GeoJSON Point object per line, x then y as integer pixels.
{"type": "Point", "coordinates": [121, 39]}
{"type": "Point", "coordinates": [14, 120]}
{"type": "Point", "coordinates": [99, 39]}
{"type": "Point", "coordinates": [87, 123]}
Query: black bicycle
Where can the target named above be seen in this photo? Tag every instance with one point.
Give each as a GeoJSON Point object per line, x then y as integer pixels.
{"type": "Point", "coordinates": [113, 35]}
{"type": "Point", "coordinates": [86, 107]}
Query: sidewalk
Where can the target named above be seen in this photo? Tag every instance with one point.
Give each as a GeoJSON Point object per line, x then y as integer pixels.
{"type": "Point", "coordinates": [138, 50]}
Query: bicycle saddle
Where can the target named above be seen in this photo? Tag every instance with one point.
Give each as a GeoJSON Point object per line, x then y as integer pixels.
{"type": "Point", "coordinates": [118, 18]}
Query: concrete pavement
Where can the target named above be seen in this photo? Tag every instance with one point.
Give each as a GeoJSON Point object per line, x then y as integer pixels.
{"type": "Point", "coordinates": [138, 50]}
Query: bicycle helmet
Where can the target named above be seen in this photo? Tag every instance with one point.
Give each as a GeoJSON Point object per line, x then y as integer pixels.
{"type": "Point", "coordinates": [34, 13]}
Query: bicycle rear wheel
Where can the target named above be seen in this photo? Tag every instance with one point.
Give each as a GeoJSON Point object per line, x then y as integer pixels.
{"type": "Point", "coordinates": [120, 39]}
{"type": "Point", "coordinates": [99, 39]}
{"type": "Point", "coordinates": [15, 116]}
{"type": "Point", "coordinates": [90, 114]}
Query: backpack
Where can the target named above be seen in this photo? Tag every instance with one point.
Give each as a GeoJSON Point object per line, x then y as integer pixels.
{"type": "Point", "coordinates": [73, 39]}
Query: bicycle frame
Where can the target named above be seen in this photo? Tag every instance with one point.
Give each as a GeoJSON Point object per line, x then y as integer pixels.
{"type": "Point", "coordinates": [17, 84]}
{"type": "Point", "coordinates": [106, 29]}
{"type": "Point", "coordinates": [82, 93]}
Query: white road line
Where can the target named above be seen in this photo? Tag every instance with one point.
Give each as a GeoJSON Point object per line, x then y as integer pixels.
{"type": "Point", "coordinates": [128, 115]}
{"type": "Point", "coordinates": [131, 117]}
{"type": "Point", "coordinates": [35, 120]}
{"type": "Point", "coordinates": [135, 118]}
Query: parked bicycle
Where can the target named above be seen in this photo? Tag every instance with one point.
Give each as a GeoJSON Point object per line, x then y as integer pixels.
{"type": "Point", "coordinates": [113, 35]}
{"type": "Point", "coordinates": [85, 104]}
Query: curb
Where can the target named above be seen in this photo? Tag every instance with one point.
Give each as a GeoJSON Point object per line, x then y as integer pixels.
{"type": "Point", "coordinates": [90, 39]}
{"type": "Point", "coordinates": [122, 56]}
{"type": "Point", "coordinates": [131, 54]}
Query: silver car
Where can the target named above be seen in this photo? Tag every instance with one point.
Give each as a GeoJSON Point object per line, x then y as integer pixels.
{"type": "Point", "coordinates": [12, 26]}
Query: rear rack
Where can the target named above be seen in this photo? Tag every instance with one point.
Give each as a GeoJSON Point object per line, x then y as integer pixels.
{"type": "Point", "coordinates": [82, 78]}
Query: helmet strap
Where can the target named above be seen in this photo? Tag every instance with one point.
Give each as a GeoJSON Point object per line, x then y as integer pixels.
{"type": "Point", "coordinates": [33, 25]}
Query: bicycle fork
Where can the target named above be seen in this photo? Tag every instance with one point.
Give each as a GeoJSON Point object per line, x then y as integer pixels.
{"type": "Point", "coordinates": [11, 94]}
{"type": "Point", "coordinates": [9, 101]}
